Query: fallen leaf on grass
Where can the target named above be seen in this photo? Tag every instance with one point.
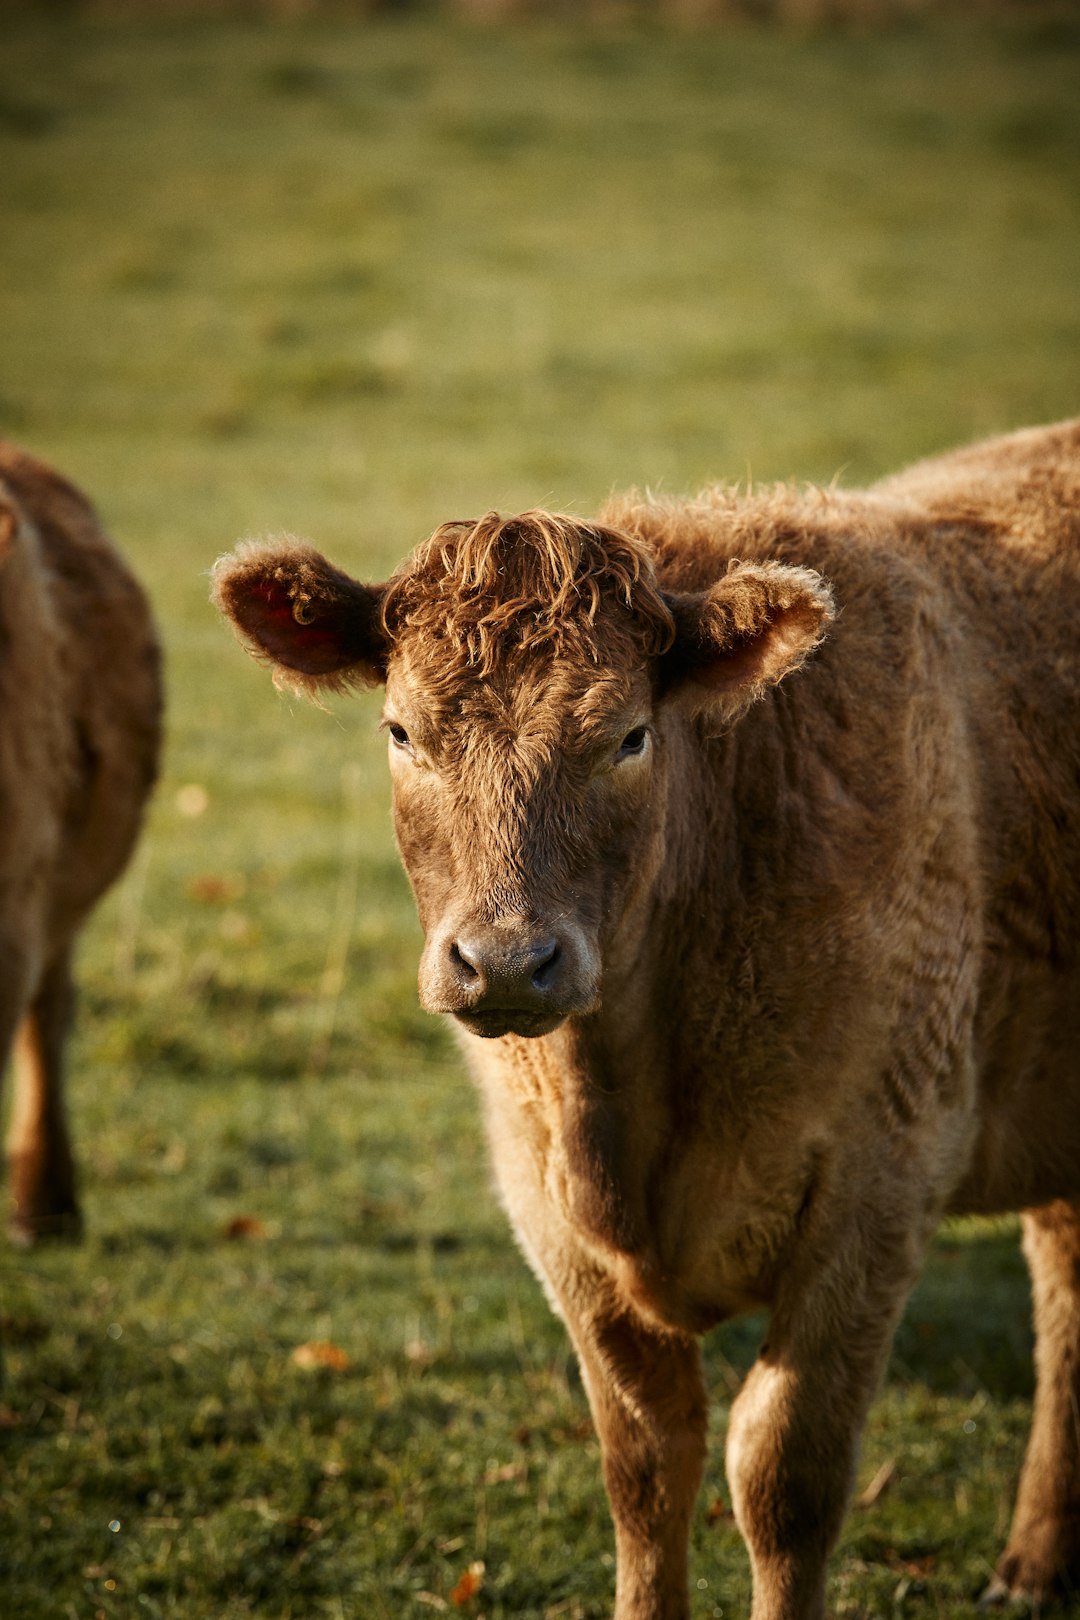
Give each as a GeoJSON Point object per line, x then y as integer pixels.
{"type": "Point", "coordinates": [469, 1584]}
{"type": "Point", "coordinates": [304, 1521]}
{"type": "Point", "coordinates": [508, 1471]}
{"type": "Point", "coordinates": [245, 1226]}
{"type": "Point", "coordinates": [215, 888]}
{"type": "Point", "coordinates": [576, 1431]}
{"type": "Point", "coordinates": [320, 1353]}
{"type": "Point", "coordinates": [916, 1569]}
{"type": "Point", "coordinates": [717, 1511]}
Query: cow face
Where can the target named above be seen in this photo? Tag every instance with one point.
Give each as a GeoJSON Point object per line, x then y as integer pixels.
{"type": "Point", "coordinates": [539, 686]}
{"type": "Point", "coordinates": [522, 804]}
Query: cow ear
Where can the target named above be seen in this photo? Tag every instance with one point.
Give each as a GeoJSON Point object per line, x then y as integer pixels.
{"type": "Point", "coordinates": [743, 634]}
{"type": "Point", "coordinates": [321, 630]}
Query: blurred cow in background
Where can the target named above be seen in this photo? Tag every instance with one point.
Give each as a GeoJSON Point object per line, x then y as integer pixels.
{"type": "Point", "coordinates": [80, 715]}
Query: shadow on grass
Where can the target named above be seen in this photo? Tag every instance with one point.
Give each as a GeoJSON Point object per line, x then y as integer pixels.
{"type": "Point", "coordinates": [966, 1329]}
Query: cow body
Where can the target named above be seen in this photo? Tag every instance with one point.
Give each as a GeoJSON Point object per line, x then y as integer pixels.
{"type": "Point", "coordinates": [760, 976]}
{"type": "Point", "coordinates": [79, 722]}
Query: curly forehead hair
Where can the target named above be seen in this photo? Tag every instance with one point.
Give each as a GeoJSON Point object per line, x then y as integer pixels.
{"type": "Point", "coordinates": [538, 580]}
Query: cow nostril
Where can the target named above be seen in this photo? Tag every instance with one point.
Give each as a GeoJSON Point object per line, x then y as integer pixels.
{"type": "Point", "coordinates": [503, 972]}
{"type": "Point", "coordinates": [466, 962]}
{"type": "Point", "coordinates": [545, 961]}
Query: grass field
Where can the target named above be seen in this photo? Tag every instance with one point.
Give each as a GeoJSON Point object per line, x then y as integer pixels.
{"type": "Point", "coordinates": [351, 281]}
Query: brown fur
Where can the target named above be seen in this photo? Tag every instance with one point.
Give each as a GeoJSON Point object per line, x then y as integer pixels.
{"type": "Point", "coordinates": [548, 593]}
{"type": "Point", "coordinates": [79, 722]}
{"type": "Point", "coordinates": [761, 969]}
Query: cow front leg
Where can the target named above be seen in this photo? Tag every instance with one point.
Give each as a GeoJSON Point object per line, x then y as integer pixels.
{"type": "Point", "coordinates": [41, 1163]}
{"type": "Point", "coordinates": [1044, 1541]}
{"type": "Point", "coordinates": [648, 1404]}
{"type": "Point", "coordinates": [796, 1423]}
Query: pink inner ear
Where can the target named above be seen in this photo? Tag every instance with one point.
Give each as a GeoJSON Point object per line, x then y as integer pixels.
{"type": "Point", "coordinates": [277, 604]}
{"type": "Point", "coordinates": [266, 614]}
{"type": "Point", "coordinates": [735, 666]}
{"type": "Point", "coordinates": [766, 656]}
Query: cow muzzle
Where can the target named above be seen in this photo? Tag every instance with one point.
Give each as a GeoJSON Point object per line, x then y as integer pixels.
{"type": "Point", "coordinates": [511, 977]}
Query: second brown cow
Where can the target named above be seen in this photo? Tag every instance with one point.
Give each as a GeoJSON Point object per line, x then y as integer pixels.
{"type": "Point", "coordinates": [743, 832]}
{"type": "Point", "coordinates": [80, 715]}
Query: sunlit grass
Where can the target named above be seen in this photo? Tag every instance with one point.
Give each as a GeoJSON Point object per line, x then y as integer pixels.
{"type": "Point", "coordinates": [350, 282]}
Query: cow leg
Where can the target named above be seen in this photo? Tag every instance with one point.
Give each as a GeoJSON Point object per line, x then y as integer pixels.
{"type": "Point", "coordinates": [648, 1404]}
{"type": "Point", "coordinates": [796, 1423]}
{"type": "Point", "coordinates": [1044, 1541]}
{"type": "Point", "coordinates": [39, 1148]}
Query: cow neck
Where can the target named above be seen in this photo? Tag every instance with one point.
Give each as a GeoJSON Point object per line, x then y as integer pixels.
{"type": "Point", "coordinates": [622, 1086]}
{"type": "Point", "coordinates": [612, 1120]}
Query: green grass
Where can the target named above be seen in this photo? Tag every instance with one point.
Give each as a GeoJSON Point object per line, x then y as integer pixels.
{"type": "Point", "coordinates": [352, 281]}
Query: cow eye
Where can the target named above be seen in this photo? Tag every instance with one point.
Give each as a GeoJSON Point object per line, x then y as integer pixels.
{"type": "Point", "coordinates": [398, 734]}
{"type": "Point", "coordinates": [633, 743]}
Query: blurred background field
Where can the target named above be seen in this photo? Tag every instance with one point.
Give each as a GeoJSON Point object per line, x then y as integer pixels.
{"type": "Point", "coordinates": [349, 278]}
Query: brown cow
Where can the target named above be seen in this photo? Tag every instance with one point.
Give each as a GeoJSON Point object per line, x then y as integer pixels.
{"type": "Point", "coordinates": [759, 980]}
{"type": "Point", "coordinates": [80, 709]}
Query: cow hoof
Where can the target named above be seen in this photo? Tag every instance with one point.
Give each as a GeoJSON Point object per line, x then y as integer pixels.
{"type": "Point", "coordinates": [999, 1595]}
{"type": "Point", "coordinates": [1011, 1591]}
{"type": "Point", "coordinates": [63, 1226]}
{"type": "Point", "coordinates": [1044, 1571]}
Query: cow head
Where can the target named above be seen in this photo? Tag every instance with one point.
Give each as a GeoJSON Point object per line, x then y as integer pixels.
{"type": "Point", "coordinates": [539, 687]}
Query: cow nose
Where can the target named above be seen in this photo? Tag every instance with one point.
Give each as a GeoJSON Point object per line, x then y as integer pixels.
{"type": "Point", "coordinates": [511, 974]}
